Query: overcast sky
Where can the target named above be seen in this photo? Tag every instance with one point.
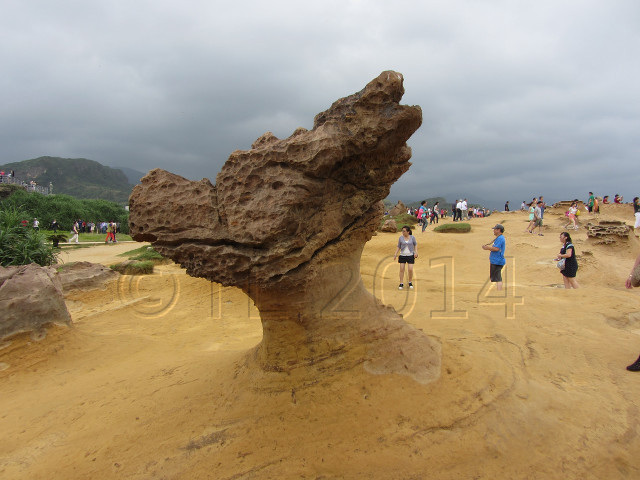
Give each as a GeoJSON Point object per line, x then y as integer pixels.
{"type": "Point", "coordinates": [519, 98]}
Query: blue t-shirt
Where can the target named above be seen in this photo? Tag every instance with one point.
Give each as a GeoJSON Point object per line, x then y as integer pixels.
{"type": "Point", "coordinates": [497, 258]}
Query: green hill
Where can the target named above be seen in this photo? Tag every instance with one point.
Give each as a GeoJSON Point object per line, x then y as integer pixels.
{"type": "Point", "coordinates": [78, 177]}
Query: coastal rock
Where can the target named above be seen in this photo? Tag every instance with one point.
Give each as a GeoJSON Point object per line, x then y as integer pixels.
{"type": "Point", "coordinates": [389, 226]}
{"type": "Point", "coordinates": [286, 222]}
{"type": "Point", "coordinates": [30, 298]}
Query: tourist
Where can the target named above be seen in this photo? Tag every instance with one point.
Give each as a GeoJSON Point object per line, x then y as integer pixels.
{"type": "Point", "coordinates": [458, 214]}
{"type": "Point", "coordinates": [537, 215]}
{"type": "Point", "coordinates": [569, 267]}
{"type": "Point", "coordinates": [571, 213]}
{"type": "Point", "coordinates": [523, 206]}
{"type": "Point", "coordinates": [590, 202]}
{"type": "Point", "coordinates": [506, 206]}
{"type": "Point", "coordinates": [635, 366]}
{"type": "Point", "coordinates": [605, 200]}
{"type": "Point", "coordinates": [54, 226]}
{"type": "Point", "coordinates": [74, 230]}
{"type": "Point", "coordinates": [465, 210]}
{"type": "Point", "coordinates": [36, 225]}
{"type": "Point", "coordinates": [435, 213]}
{"type": "Point", "coordinates": [636, 212]}
{"type": "Point", "coordinates": [617, 198]}
{"type": "Point", "coordinates": [532, 217]}
{"type": "Point", "coordinates": [408, 250]}
{"type": "Point", "coordinates": [496, 257]}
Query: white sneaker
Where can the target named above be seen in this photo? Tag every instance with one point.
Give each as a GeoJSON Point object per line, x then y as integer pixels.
{"type": "Point", "coordinates": [410, 286]}
{"type": "Point", "coordinates": [401, 286]}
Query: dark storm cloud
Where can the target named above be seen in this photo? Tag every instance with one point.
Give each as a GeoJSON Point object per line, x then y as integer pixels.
{"type": "Point", "coordinates": [518, 98]}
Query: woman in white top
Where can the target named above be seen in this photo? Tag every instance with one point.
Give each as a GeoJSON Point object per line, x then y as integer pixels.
{"type": "Point", "coordinates": [408, 250]}
{"type": "Point", "coordinates": [573, 209]}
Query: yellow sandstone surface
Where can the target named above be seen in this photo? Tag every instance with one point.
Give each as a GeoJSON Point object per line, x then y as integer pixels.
{"type": "Point", "coordinates": [153, 380]}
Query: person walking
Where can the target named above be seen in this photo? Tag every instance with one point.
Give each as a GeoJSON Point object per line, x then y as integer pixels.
{"type": "Point", "coordinates": [496, 257]}
{"type": "Point", "coordinates": [36, 225]}
{"type": "Point", "coordinates": [408, 250]}
{"type": "Point", "coordinates": [506, 206]}
{"type": "Point", "coordinates": [532, 217]}
{"type": "Point", "coordinates": [54, 226]}
{"type": "Point", "coordinates": [571, 213]}
{"type": "Point", "coordinates": [74, 230]}
{"type": "Point", "coordinates": [570, 267]}
{"type": "Point", "coordinates": [635, 366]}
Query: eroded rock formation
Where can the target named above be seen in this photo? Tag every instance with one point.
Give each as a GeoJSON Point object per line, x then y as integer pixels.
{"type": "Point", "coordinates": [30, 298]}
{"type": "Point", "coordinates": [287, 221]}
{"type": "Point", "coordinates": [607, 232]}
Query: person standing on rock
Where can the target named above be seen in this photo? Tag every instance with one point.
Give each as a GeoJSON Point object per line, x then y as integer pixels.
{"type": "Point", "coordinates": [408, 250]}
{"type": "Point", "coordinates": [568, 252]}
{"type": "Point", "coordinates": [635, 366]}
{"type": "Point", "coordinates": [496, 257]}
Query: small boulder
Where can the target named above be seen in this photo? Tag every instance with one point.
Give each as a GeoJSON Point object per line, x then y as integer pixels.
{"type": "Point", "coordinates": [389, 226]}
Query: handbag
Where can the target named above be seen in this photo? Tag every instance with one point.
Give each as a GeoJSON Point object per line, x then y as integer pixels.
{"type": "Point", "coordinates": [560, 264]}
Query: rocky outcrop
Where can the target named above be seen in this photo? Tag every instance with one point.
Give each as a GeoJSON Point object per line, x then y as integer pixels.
{"type": "Point", "coordinates": [398, 209]}
{"type": "Point", "coordinates": [85, 276]}
{"type": "Point", "coordinates": [286, 222]}
{"type": "Point", "coordinates": [389, 226]}
{"type": "Point", "coordinates": [30, 298]}
{"type": "Point", "coordinates": [607, 232]}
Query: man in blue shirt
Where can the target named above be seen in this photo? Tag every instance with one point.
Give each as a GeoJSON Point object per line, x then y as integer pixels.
{"type": "Point", "coordinates": [496, 257]}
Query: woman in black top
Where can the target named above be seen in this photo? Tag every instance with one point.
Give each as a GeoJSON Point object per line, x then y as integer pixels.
{"type": "Point", "coordinates": [568, 252]}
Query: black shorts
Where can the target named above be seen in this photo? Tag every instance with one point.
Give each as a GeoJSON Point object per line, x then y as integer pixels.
{"type": "Point", "coordinates": [495, 272]}
{"type": "Point", "coordinates": [406, 259]}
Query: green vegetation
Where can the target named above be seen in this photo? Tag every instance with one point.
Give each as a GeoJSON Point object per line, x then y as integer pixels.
{"type": "Point", "coordinates": [19, 243]}
{"type": "Point", "coordinates": [78, 177]}
{"type": "Point", "coordinates": [133, 268]}
{"type": "Point", "coordinates": [144, 254]}
{"type": "Point", "coordinates": [65, 209]}
{"type": "Point", "coordinates": [453, 228]}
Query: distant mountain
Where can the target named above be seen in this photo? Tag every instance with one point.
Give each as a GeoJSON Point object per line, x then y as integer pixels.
{"type": "Point", "coordinates": [78, 177]}
{"type": "Point", "coordinates": [133, 176]}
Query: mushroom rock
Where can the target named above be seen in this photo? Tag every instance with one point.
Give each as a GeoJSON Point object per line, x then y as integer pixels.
{"type": "Point", "coordinates": [398, 209]}
{"type": "Point", "coordinates": [287, 221]}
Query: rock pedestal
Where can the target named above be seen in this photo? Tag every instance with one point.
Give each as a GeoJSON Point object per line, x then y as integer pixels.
{"type": "Point", "coordinates": [286, 222]}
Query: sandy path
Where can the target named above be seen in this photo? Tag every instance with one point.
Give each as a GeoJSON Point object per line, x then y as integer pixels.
{"type": "Point", "coordinates": [152, 381]}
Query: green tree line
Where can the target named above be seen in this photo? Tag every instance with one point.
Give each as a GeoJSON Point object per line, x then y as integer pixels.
{"type": "Point", "coordinates": [65, 209]}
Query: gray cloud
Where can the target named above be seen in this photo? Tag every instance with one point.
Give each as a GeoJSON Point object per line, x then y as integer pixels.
{"type": "Point", "coordinates": [519, 98]}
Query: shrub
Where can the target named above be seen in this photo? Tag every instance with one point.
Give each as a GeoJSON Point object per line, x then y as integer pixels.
{"type": "Point", "coordinates": [144, 253]}
{"type": "Point", "coordinates": [453, 228]}
{"type": "Point", "coordinates": [19, 243]}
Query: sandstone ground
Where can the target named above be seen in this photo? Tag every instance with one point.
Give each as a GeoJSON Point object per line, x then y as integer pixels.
{"type": "Point", "coordinates": [153, 380]}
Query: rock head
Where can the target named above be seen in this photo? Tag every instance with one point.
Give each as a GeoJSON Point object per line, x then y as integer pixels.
{"type": "Point", "coordinates": [286, 222]}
